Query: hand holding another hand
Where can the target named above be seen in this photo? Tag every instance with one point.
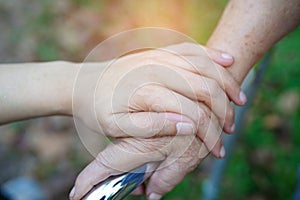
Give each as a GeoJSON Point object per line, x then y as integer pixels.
{"type": "Point", "coordinates": [180, 90]}
{"type": "Point", "coordinates": [174, 90]}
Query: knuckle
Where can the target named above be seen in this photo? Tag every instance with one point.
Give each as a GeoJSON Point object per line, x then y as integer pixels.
{"type": "Point", "coordinates": [164, 184]}
{"type": "Point", "coordinates": [105, 160]}
{"type": "Point", "coordinates": [100, 159]}
{"type": "Point", "coordinates": [109, 127]}
{"type": "Point", "coordinates": [231, 85]}
{"type": "Point", "coordinates": [202, 118]}
{"type": "Point", "coordinates": [230, 112]}
{"type": "Point", "coordinates": [157, 126]}
{"type": "Point", "coordinates": [214, 89]}
{"type": "Point", "coordinates": [225, 78]}
{"type": "Point", "coordinates": [203, 126]}
{"type": "Point", "coordinates": [198, 115]}
{"type": "Point", "coordinates": [103, 124]}
{"type": "Point", "coordinates": [203, 91]}
{"type": "Point", "coordinates": [229, 82]}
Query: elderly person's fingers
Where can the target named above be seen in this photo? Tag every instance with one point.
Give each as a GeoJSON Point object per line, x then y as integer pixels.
{"type": "Point", "coordinates": [123, 156]}
{"type": "Point", "coordinates": [204, 66]}
{"type": "Point", "coordinates": [140, 190]}
{"type": "Point", "coordinates": [199, 64]}
{"type": "Point", "coordinates": [127, 154]}
{"type": "Point", "coordinates": [194, 49]}
{"type": "Point", "coordinates": [172, 171]}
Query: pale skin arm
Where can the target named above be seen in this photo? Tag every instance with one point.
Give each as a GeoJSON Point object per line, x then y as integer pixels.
{"type": "Point", "coordinates": [249, 28]}
{"type": "Point", "coordinates": [36, 89]}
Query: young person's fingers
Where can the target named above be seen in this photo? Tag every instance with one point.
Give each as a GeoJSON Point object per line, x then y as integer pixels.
{"type": "Point", "coordinates": [204, 66]}
{"type": "Point", "coordinates": [204, 90]}
{"type": "Point", "coordinates": [222, 58]}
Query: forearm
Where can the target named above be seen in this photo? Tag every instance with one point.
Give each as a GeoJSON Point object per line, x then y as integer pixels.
{"type": "Point", "coordinates": [248, 28]}
{"type": "Point", "coordinates": [36, 89]}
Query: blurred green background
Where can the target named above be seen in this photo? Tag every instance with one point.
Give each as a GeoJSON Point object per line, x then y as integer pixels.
{"type": "Point", "coordinates": [265, 160]}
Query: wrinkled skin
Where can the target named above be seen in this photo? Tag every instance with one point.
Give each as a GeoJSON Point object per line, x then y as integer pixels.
{"type": "Point", "coordinates": [177, 156]}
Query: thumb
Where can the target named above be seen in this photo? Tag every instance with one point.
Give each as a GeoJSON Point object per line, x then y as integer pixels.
{"type": "Point", "coordinates": [150, 124]}
{"type": "Point", "coordinates": [119, 157]}
{"type": "Point", "coordinates": [219, 57]}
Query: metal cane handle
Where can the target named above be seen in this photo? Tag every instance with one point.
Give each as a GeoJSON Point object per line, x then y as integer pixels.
{"type": "Point", "coordinates": [117, 187]}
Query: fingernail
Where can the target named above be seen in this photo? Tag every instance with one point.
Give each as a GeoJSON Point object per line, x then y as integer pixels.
{"type": "Point", "coordinates": [232, 128]}
{"type": "Point", "coordinates": [226, 56]}
{"type": "Point", "coordinates": [184, 128]}
{"type": "Point", "coordinates": [222, 152]}
{"type": "Point", "coordinates": [243, 97]}
{"type": "Point", "coordinates": [72, 193]}
{"type": "Point", "coordinates": [154, 196]}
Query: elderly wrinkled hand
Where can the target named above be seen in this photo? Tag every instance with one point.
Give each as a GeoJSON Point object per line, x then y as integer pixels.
{"type": "Point", "coordinates": [161, 92]}
{"type": "Point", "coordinates": [176, 156]}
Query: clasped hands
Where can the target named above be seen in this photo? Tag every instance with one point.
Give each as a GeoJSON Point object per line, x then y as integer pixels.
{"type": "Point", "coordinates": [167, 106]}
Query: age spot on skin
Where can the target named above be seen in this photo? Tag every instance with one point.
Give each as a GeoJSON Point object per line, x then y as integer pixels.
{"type": "Point", "coordinates": [247, 35]}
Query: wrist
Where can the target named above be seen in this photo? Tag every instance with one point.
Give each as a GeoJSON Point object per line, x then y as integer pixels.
{"type": "Point", "coordinates": [63, 85]}
{"type": "Point", "coordinates": [80, 98]}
